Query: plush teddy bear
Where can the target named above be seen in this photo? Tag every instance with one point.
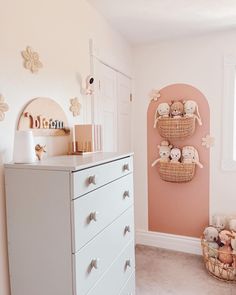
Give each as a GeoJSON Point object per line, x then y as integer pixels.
{"type": "Point", "coordinates": [175, 155]}
{"type": "Point", "coordinates": [162, 111]}
{"type": "Point", "coordinates": [176, 109]}
{"type": "Point", "coordinates": [211, 236]}
{"type": "Point", "coordinates": [190, 155]}
{"type": "Point", "coordinates": [164, 152]}
{"type": "Point", "coordinates": [219, 222]}
{"type": "Point", "coordinates": [191, 110]}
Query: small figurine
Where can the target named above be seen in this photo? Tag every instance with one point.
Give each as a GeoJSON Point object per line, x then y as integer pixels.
{"type": "Point", "coordinates": [39, 150]}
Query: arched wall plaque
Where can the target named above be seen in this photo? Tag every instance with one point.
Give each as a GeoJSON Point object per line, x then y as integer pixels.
{"type": "Point", "coordinates": [44, 117]}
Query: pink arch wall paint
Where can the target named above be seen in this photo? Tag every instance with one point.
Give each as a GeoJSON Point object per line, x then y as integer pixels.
{"type": "Point", "coordinates": [179, 208]}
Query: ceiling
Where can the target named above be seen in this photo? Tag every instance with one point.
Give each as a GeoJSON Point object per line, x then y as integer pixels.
{"type": "Point", "coordinates": [146, 21]}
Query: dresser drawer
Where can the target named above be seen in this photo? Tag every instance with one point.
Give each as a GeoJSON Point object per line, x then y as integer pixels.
{"type": "Point", "coordinates": [93, 212]}
{"type": "Point", "coordinates": [92, 178]}
{"type": "Point", "coordinates": [129, 288]}
{"type": "Point", "coordinates": [94, 259]}
{"type": "Point", "coordinates": [117, 275]}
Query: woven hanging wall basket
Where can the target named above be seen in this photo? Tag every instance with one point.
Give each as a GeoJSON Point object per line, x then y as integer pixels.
{"type": "Point", "coordinates": [170, 128]}
{"type": "Point", "coordinates": [215, 267]}
{"type": "Point", "coordinates": [176, 172]}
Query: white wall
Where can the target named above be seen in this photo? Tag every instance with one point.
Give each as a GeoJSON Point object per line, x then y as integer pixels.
{"type": "Point", "coordinates": [198, 62]}
{"type": "Point", "coordinates": [60, 31]}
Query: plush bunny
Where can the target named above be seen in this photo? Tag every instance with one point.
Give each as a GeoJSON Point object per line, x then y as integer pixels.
{"type": "Point", "coordinates": [190, 155]}
{"type": "Point", "coordinates": [232, 224]}
{"type": "Point", "coordinates": [225, 237]}
{"type": "Point", "coordinates": [164, 152]}
{"type": "Point", "coordinates": [211, 236]}
{"type": "Point", "coordinates": [219, 222]}
{"type": "Point", "coordinates": [175, 155]}
{"type": "Point", "coordinates": [191, 110]}
{"type": "Point", "coordinates": [162, 111]}
{"type": "Point", "coordinates": [176, 109]}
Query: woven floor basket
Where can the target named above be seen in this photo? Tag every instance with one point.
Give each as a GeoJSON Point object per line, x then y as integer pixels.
{"type": "Point", "coordinates": [176, 172]}
{"type": "Point", "coordinates": [216, 268]}
{"type": "Point", "coordinates": [170, 128]}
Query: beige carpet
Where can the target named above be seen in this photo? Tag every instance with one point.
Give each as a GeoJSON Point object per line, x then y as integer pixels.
{"type": "Point", "coordinates": [163, 272]}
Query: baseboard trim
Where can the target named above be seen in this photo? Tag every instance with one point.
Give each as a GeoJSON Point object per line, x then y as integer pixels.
{"type": "Point", "coordinates": [169, 241]}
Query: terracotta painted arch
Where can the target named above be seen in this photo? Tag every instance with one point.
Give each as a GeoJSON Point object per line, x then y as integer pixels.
{"type": "Point", "coordinates": [179, 208]}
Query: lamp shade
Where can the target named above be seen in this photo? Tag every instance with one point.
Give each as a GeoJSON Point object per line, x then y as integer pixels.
{"type": "Point", "coordinates": [24, 147]}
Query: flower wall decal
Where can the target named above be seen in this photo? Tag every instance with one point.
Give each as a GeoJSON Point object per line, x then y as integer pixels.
{"type": "Point", "coordinates": [154, 94]}
{"type": "Point", "coordinates": [3, 108]}
{"type": "Point", "coordinates": [208, 141]}
{"type": "Point", "coordinates": [31, 60]}
{"type": "Point", "coordinates": [75, 106]}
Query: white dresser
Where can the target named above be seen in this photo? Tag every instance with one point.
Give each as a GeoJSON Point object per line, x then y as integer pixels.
{"type": "Point", "coordinates": [70, 225]}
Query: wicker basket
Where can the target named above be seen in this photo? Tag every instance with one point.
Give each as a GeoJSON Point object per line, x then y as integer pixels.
{"type": "Point", "coordinates": [216, 268]}
{"type": "Point", "coordinates": [176, 172]}
{"type": "Point", "coordinates": [170, 128]}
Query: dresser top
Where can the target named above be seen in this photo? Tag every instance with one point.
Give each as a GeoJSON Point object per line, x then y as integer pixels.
{"type": "Point", "coordinates": [71, 163]}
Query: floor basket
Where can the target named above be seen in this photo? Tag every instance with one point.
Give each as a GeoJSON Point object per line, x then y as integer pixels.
{"type": "Point", "coordinates": [171, 128]}
{"type": "Point", "coordinates": [176, 172]}
{"type": "Point", "coordinates": [215, 267]}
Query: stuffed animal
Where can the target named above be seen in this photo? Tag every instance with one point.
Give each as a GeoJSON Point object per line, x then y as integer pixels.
{"type": "Point", "coordinates": [211, 236]}
{"type": "Point", "coordinates": [39, 150]}
{"type": "Point", "coordinates": [177, 109]}
{"type": "Point", "coordinates": [225, 237]}
{"type": "Point", "coordinates": [232, 224]}
{"type": "Point", "coordinates": [225, 255]}
{"type": "Point", "coordinates": [175, 155]}
{"type": "Point", "coordinates": [164, 152]}
{"type": "Point", "coordinates": [233, 245]}
{"type": "Point", "coordinates": [219, 222]}
{"type": "Point", "coordinates": [191, 110]}
{"type": "Point", "coordinates": [162, 111]}
{"type": "Point", "coordinates": [190, 155]}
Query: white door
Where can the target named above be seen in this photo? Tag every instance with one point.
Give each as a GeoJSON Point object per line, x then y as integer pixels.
{"type": "Point", "coordinates": [124, 113]}
{"type": "Point", "coordinates": [112, 108]}
{"type": "Point", "coordinates": [105, 105]}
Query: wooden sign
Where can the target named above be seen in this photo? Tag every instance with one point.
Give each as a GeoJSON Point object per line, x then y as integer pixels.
{"type": "Point", "coordinates": [44, 117]}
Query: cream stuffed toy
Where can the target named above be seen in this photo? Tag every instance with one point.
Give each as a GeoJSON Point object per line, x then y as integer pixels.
{"type": "Point", "coordinates": [175, 155]}
{"type": "Point", "coordinates": [190, 155]}
{"type": "Point", "coordinates": [164, 152]}
{"type": "Point", "coordinates": [191, 110]}
{"type": "Point", "coordinates": [219, 222]}
{"type": "Point", "coordinates": [232, 224]}
{"type": "Point", "coordinates": [211, 236]}
{"type": "Point", "coordinates": [162, 111]}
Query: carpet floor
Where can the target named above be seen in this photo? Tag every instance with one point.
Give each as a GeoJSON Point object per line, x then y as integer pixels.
{"type": "Point", "coordinates": [164, 272]}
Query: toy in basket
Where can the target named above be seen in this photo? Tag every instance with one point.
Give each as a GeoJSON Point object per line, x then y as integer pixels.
{"type": "Point", "coordinates": [176, 165]}
{"type": "Point", "coordinates": [176, 120]}
{"type": "Point", "coordinates": [219, 253]}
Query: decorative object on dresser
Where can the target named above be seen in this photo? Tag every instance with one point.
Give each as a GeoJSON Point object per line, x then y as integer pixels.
{"type": "Point", "coordinates": [40, 150]}
{"type": "Point", "coordinates": [44, 117]}
{"type": "Point", "coordinates": [75, 106]}
{"type": "Point", "coordinates": [31, 60]}
{"type": "Point", "coordinates": [3, 108]}
{"type": "Point", "coordinates": [88, 138]}
{"type": "Point", "coordinates": [24, 147]}
{"type": "Point", "coordinates": [70, 219]}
